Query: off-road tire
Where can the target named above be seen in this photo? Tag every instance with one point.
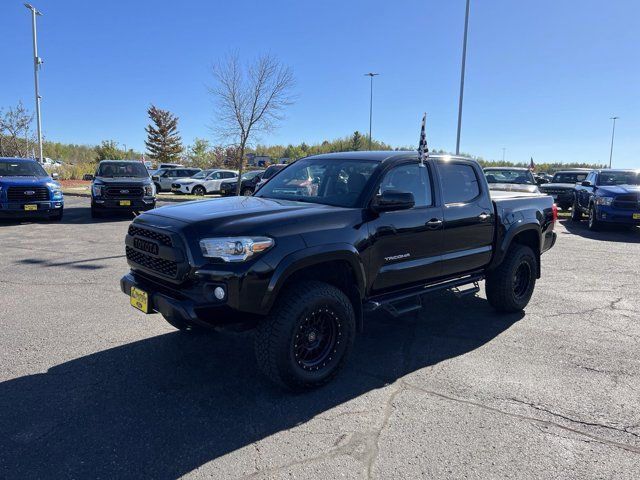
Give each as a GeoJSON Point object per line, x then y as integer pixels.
{"type": "Point", "coordinates": [576, 213]}
{"type": "Point", "coordinates": [199, 191]}
{"type": "Point", "coordinates": [277, 345]}
{"type": "Point", "coordinates": [593, 223]}
{"type": "Point", "coordinates": [505, 293]}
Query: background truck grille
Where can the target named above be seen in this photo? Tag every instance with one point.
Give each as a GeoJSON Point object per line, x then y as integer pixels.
{"type": "Point", "coordinates": [163, 238]}
{"type": "Point", "coordinates": [159, 265]}
{"type": "Point", "coordinates": [17, 194]}
{"type": "Point", "coordinates": [123, 190]}
{"type": "Point", "coordinates": [626, 202]}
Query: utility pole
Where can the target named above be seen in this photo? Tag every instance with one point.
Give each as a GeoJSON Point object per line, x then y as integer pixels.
{"type": "Point", "coordinates": [37, 61]}
{"type": "Point", "coordinates": [613, 133]}
{"type": "Point", "coordinates": [464, 61]}
{"type": "Point", "coordinates": [371, 75]}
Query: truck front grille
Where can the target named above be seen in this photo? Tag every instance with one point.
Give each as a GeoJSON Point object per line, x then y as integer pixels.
{"type": "Point", "coordinates": [27, 194]}
{"type": "Point", "coordinates": [123, 190]}
{"type": "Point", "coordinates": [627, 202]}
{"type": "Point", "coordinates": [163, 238]}
{"type": "Point", "coordinates": [164, 267]}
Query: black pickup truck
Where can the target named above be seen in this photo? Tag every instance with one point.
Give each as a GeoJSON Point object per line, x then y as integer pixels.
{"type": "Point", "coordinates": [327, 239]}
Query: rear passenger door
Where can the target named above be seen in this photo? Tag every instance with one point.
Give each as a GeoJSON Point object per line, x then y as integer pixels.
{"type": "Point", "coordinates": [469, 219]}
{"type": "Point", "coordinates": [406, 244]}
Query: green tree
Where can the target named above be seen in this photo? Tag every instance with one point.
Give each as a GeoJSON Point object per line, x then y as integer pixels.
{"type": "Point", "coordinates": [356, 141]}
{"type": "Point", "coordinates": [200, 154]}
{"type": "Point", "coordinates": [163, 140]}
{"type": "Point", "coordinates": [108, 150]}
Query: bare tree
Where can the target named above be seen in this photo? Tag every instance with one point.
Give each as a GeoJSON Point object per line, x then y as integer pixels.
{"type": "Point", "coordinates": [249, 100]}
{"type": "Point", "coordinates": [15, 131]}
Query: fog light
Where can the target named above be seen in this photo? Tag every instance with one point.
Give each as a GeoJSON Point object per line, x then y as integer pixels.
{"type": "Point", "coordinates": [219, 293]}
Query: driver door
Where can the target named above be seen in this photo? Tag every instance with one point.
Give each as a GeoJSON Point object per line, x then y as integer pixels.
{"type": "Point", "coordinates": [406, 245]}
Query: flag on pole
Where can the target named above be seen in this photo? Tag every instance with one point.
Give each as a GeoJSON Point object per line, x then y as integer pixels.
{"type": "Point", "coordinates": [532, 166]}
{"type": "Point", "coordinates": [423, 150]}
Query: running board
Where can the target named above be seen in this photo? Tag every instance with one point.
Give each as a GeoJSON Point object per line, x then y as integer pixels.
{"type": "Point", "coordinates": [409, 300]}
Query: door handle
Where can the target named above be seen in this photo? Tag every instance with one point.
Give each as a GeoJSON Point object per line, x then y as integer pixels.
{"type": "Point", "coordinates": [434, 223]}
{"type": "Point", "coordinates": [483, 216]}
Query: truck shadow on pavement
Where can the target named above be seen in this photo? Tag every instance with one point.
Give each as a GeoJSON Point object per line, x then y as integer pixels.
{"type": "Point", "coordinates": [164, 406]}
{"type": "Point", "coordinates": [609, 233]}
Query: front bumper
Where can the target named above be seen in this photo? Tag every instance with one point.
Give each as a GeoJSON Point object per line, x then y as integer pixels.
{"type": "Point", "coordinates": [610, 214]}
{"type": "Point", "coordinates": [44, 208]}
{"type": "Point", "coordinates": [180, 188]}
{"type": "Point", "coordinates": [136, 204]}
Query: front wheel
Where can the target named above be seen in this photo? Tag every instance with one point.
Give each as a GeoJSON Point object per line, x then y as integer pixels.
{"type": "Point", "coordinates": [306, 339]}
{"type": "Point", "coordinates": [510, 286]}
{"type": "Point", "coordinates": [594, 224]}
{"type": "Point", "coordinates": [199, 191]}
{"type": "Point", "coordinates": [576, 213]}
{"type": "Point", "coordinates": [247, 192]}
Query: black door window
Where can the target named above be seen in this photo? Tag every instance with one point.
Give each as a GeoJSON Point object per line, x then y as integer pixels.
{"type": "Point", "coordinates": [409, 178]}
{"type": "Point", "coordinates": [459, 183]}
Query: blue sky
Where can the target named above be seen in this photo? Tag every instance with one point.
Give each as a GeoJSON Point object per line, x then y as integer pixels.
{"type": "Point", "coordinates": [543, 77]}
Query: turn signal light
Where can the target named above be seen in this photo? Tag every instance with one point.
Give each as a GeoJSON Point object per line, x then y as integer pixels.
{"type": "Point", "coordinates": [555, 213]}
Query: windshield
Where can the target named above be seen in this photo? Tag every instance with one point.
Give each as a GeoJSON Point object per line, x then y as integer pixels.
{"type": "Point", "coordinates": [327, 181]}
{"type": "Point", "coordinates": [21, 169]}
{"type": "Point", "coordinates": [250, 175]}
{"type": "Point", "coordinates": [122, 169]}
{"type": "Point", "coordinates": [202, 174]}
{"type": "Point", "coordinates": [619, 178]}
{"type": "Point", "coordinates": [569, 177]}
{"type": "Point", "coordinates": [271, 171]}
{"type": "Point", "coordinates": [509, 176]}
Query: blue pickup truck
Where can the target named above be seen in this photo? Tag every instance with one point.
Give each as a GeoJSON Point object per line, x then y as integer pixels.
{"type": "Point", "coordinates": [608, 197]}
{"type": "Point", "coordinates": [27, 190]}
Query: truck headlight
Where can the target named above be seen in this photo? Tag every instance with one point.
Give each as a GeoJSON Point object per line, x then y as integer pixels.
{"type": "Point", "coordinates": [234, 249]}
{"type": "Point", "coordinates": [604, 200]}
{"type": "Point", "coordinates": [57, 194]}
{"type": "Point", "coordinates": [97, 190]}
{"type": "Point", "coordinates": [149, 190]}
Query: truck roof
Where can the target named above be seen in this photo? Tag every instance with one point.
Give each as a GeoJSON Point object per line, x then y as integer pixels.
{"type": "Point", "coordinates": [382, 155]}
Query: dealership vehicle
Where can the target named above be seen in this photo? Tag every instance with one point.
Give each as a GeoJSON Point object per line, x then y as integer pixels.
{"type": "Point", "coordinates": [608, 197]}
{"type": "Point", "coordinates": [511, 179]}
{"type": "Point", "coordinates": [27, 190]}
{"type": "Point", "coordinates": [303, 264]}
{"type": "Point", "coordinates": [270, 171]}
{"type": "Point", "coordinates": [563, 185]}
{"type": "Point", "coordinates": [121, 185]}
{"type": "Point", "coordinates": [248, 183]}
{"type": "Point", "coordinates": [203, 184]}
{"type": "Point", "coordinates": [165, 177]}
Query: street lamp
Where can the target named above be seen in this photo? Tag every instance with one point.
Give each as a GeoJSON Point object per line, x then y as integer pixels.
{"type": "Point", "coordinates": [613, 133]}
{"type": "Point", "coordinates": [371, 75]}
{"type": "Point", "coordinates": [37, 61]}
{"type": "Point", "coordinates": [464, 60]}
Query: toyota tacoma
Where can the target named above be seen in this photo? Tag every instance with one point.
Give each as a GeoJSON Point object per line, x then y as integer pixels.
{"type": "Point", "coordinates": [327, 239]}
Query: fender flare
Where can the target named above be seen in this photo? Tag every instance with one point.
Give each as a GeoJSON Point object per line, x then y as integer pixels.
{"type": "Point", "coordinates": [507, 240]}
{"type": "Point", "coordinates": [313, 256]}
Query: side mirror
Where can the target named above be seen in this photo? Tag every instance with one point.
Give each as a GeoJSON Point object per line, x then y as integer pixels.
{"type": "Point", "coordinates": [55, 176]}
{"type": "Point", "coordinates": [391, 200]}
{"type": "Point", "coordinates": [586, 184]}
{"type": "Point", "coordinates": [88, 176]}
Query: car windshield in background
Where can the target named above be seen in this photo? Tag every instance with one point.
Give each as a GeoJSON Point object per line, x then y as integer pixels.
{"type": "Point", "coordinates": [250, 175]}
{"type": "Point", "coordinates": [21, 169]}
{"type": "Point", "coordinates": [509, 176]}
{"type": "Point", "coordinates": [568, 177]}
{"type": "Point", "coordinates": [271, 171]}
{"type": "Point", "coordinates": [619, 178]}
{"type": "Point", "coordinates": [202, 174]}
{"type": "Point", "coordinates": [122, 169]}
{"type": "Point", "coordinates": [327, 181]}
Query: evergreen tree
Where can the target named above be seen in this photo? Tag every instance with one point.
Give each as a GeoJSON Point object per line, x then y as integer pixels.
{"type": "Point", "coordinates": [163, 141]}
{"type": "Point", "coordinates": [356, 141]}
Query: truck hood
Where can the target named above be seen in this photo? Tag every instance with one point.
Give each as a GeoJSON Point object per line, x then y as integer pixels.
{"type": "Point", "coordinates": [106, 180]}
{"type": "Point", "coordinates": [568, 186]}
{"type": "Point", "coordinates": [188, 181]}
{"type": "Point", "coordinates": [618, 189]}
{"type": "Point", "coordinates": [239, 211]}
{"type": "Point", "coordinates": [28, 181]}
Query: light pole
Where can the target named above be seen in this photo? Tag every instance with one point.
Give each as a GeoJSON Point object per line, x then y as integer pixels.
{"type": "Point", "coordinates": [37, 61]}
{"type": "Point", "coordinates": [464, 61]}
{"type": "Point", "coordinates": [371, 75]}
{"type": "Point", "coordinates": [613, 133]}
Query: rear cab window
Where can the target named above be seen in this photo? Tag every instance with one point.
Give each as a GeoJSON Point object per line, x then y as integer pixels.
{"type": "Point", "coordinates": [459, 183]}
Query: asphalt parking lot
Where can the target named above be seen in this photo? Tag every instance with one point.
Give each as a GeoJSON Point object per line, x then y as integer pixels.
{"type": "Point", "coordinates": [89, 387]}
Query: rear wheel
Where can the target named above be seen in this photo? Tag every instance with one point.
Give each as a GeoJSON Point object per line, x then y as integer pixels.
{"type": "Point", "coordinates": [247, 192]}
{"type": "Point", "coordinates": [306, 339]}
{"type": "Point", "coordinates": [198, 190]}
{"type": "Point", "coordinates": [510, 286]}
{"type": "Point", "coordinates": [594, 224]}
{"type": "Point", "coordinates": [576, 213]}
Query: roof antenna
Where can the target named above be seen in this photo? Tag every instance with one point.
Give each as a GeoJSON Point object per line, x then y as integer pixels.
{"type": "Point", "coordinates": [423, 149]}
